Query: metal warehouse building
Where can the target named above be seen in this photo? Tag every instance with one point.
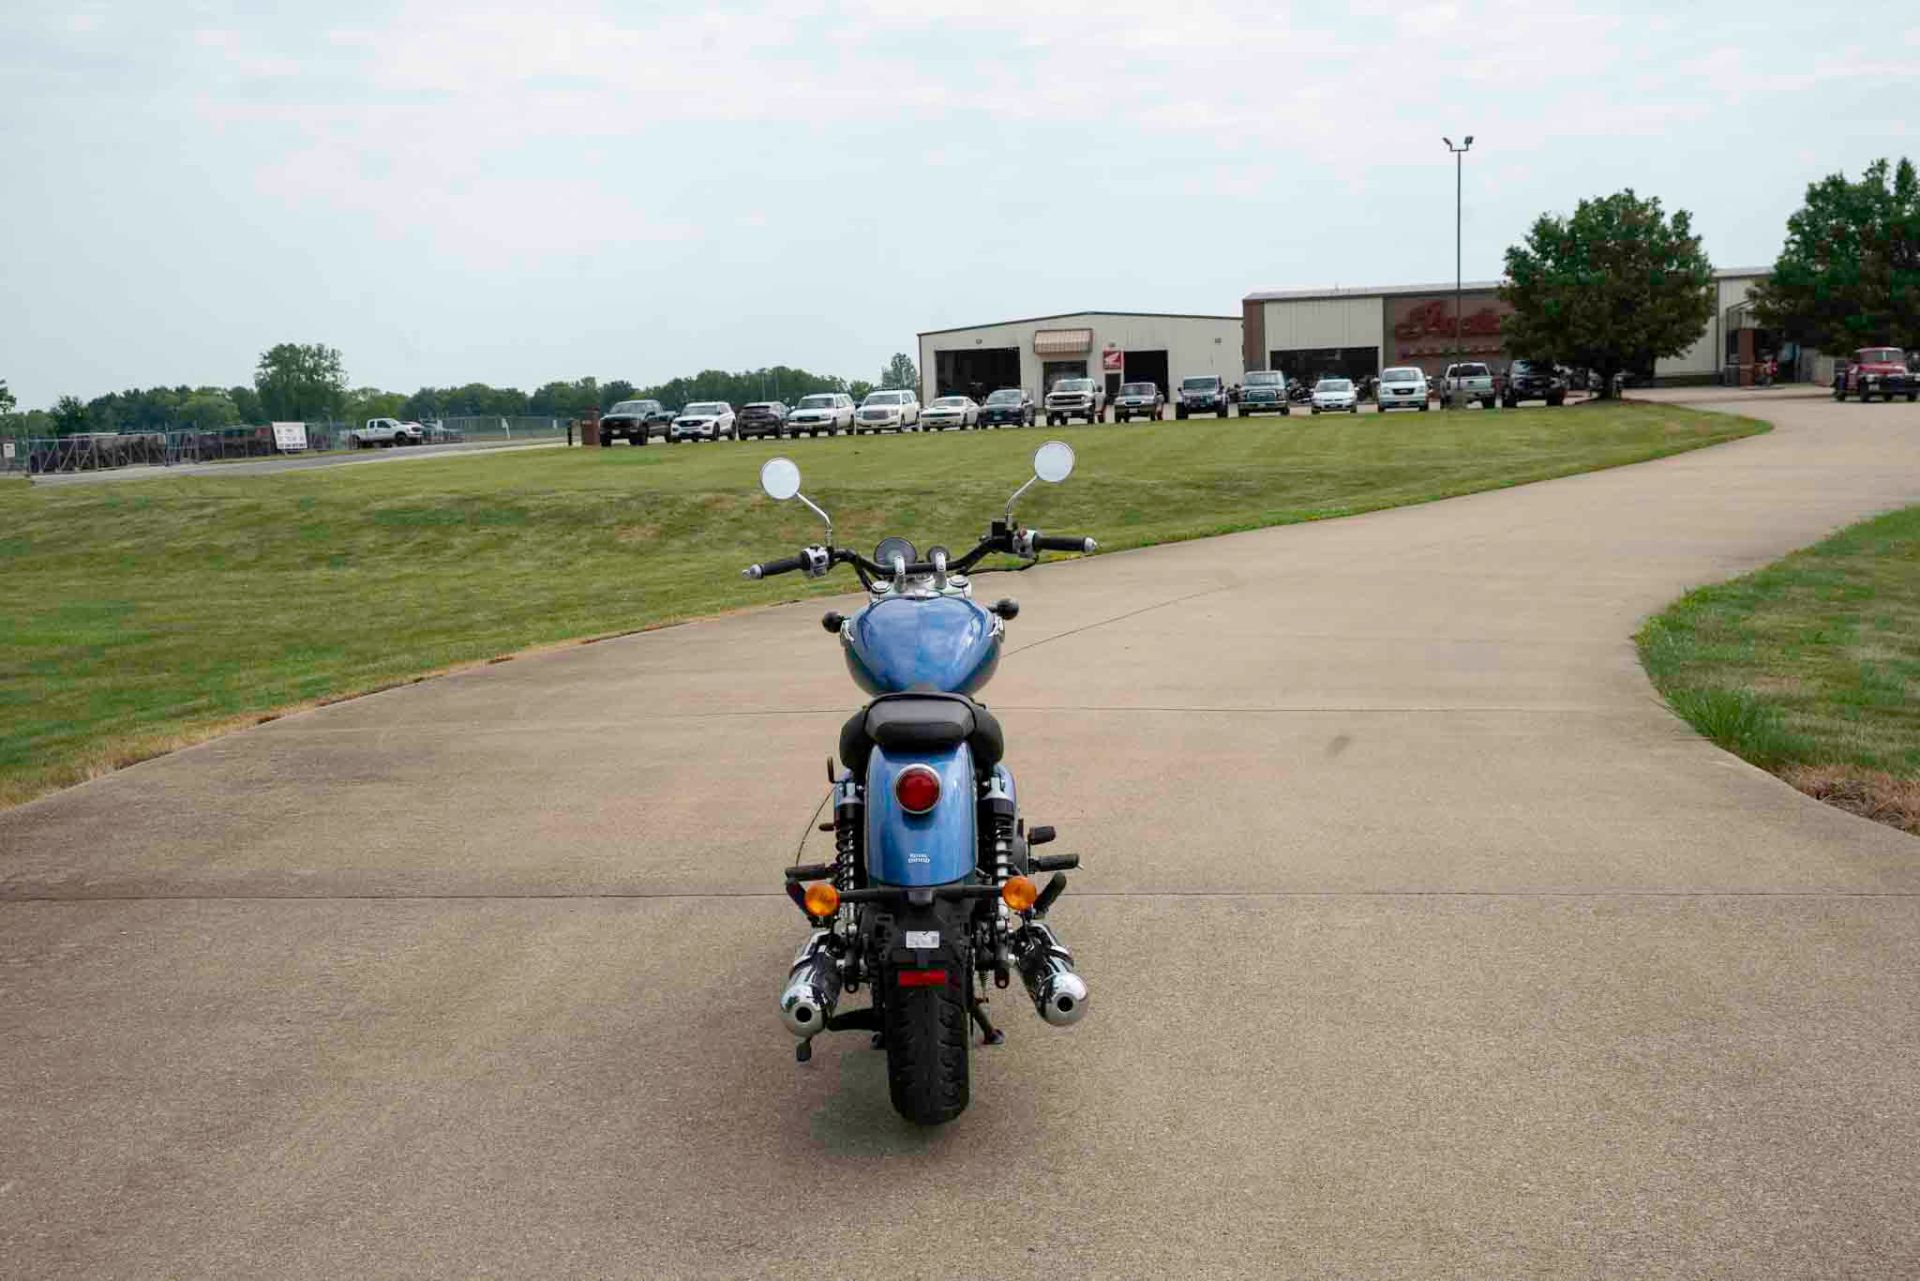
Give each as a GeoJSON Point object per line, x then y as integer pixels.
{"type": "Point", "coordinates": [1117, 345]}
{"type": "Point", "coordinates": [1357, 332]}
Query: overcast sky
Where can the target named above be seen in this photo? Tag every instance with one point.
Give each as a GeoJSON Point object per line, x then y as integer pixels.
{"type": "Point", "coordinates": [516, 193]}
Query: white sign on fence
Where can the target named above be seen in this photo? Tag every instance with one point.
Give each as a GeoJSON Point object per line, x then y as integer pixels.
{"type": "Point", "coordinates": [290, 438]}
{"type": "Point", "coordinates": [8, 446]}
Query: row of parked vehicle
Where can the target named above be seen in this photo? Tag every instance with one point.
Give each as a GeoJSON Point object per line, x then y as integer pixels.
{"type": "Point", "coordinates": [1084, 399]}
{"type": "Point", "coordinates": [820, 414]}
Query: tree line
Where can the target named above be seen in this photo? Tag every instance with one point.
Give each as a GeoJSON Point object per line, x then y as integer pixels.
{"type": "Point", "coordinates": [307, 382]}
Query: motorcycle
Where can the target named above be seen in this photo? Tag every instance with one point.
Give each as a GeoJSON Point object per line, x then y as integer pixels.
{"type": "Point", "coordinates": [931, 892]}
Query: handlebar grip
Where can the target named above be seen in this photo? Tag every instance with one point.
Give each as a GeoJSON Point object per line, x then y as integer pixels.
{"type": "Point", "coordinates": [1062, 543]}
{"type": "Point", "coordinates": [773, 567]}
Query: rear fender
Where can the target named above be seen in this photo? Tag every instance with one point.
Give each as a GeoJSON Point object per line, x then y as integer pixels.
{"type": "Point", "coordinates": [936, 848]}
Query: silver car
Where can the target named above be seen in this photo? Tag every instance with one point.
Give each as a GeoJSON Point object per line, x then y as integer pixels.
{"type": "Point", "coordinates": [1335, 396]}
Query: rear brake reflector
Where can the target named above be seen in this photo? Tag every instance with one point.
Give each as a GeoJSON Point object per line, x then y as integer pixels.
{"type": "Point", "coordinates": [920, 978]}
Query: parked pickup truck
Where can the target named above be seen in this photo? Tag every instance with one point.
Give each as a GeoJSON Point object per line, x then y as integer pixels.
{"type": "Point", "coordinates": [1467, 382]}
{"type": "Point", "coordinates": [635, 421]}
{"type": "Point", "coordinates": [1529, 381]}
{"type": "Point", "coordinates": [382, 432]}
{"type": "Point", "coordinates": [1264, 392]}
{"type": "Point", "coordinates": [1076, 398]}
{"type": "Point", "coordinates": [1876, 371]}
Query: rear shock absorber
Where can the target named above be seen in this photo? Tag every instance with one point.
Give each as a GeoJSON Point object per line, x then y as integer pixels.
{"type": "Point", "coordinates": [849, 839]}
{"type": "Point", "coordinates": [999, 819]}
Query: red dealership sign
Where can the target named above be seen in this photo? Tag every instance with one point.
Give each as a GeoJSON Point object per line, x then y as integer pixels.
{"type": "Point", "coordinates": [1110, 360]}
{"type": "Point", "coordinates": [1424, 326]}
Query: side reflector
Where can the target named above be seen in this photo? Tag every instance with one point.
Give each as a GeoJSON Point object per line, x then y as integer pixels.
{"type": "Point", "coordinates": [920, 978]}
{"type": "Point", "coordinates": [1019, 893]}
{"type": "Point", "coordinates": [822, 899]}
{"type": "Point", "coordinates": [917, 788]}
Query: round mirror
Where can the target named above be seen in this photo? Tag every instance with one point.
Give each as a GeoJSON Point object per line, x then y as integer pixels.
{"type": "Point", "coordinates": [1053, 461]}
{"type": "Point", "coordinates": [890, 548]}
{"type": "Point", "coordinates": [780, 477]}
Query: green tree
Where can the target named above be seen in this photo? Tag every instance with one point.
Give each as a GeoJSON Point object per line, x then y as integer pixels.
{"type": "Point", "coordinates": [300, 381]}
{"type": "Point", "coordinates": [205, 409]}
{"type": "Point", "coordinates": [363, 403]}
{"type": "Point", "coordinates": [1849, 274]}
{"type": "Point", "coordinates": [1613, 288]}
{"type": "Point", "coordinates": [565, 399]}
{"type": "Point", "coordinates": [70, 417]}
{"type": "Point", "coordinates": [900, 373]}
{"type": "Point", "coordinates": [7, 402]}
{"type": "Point", "coordinates": [246, 402]}
{"type": "Point", "coordinates": [859, 389]}
{"type": "Point", "coordinates": [612, 393]}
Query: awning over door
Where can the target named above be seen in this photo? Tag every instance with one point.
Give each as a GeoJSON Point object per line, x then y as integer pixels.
{"type": "Point", "coordinates": [1062, 342]}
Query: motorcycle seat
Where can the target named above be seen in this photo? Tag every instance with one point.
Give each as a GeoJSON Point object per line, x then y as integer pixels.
{"type": "Point", "coordinates": [922, 722]}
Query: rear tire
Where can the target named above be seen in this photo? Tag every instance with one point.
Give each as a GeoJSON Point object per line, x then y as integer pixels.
{"type": "Point", "coordinates": [926, 1033]}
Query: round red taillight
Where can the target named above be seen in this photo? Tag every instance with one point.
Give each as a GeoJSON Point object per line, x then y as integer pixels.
{"type": "Point", "coordinates": [917, 789]}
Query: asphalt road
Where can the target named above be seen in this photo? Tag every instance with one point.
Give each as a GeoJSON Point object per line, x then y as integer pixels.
{"type": "Point", "coordinates": [1423, 943]}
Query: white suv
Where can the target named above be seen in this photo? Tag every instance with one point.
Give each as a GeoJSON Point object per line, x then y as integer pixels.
{"type": "Point", "coordinates": [1076, 398]}
{"type": "Point", "coordinates": [897, 410]}
{"type": "Point", "coordinates": [825, 413]}
{"type": "Point", "coordinates": [1402, 387]}
{"type": "Point", "coordinates": [702, 420]}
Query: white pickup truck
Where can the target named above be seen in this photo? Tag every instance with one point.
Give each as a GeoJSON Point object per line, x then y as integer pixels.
{"type": "Point", "coordinates": [1465, 383]}
{"type": "Point", "coordinates": [386, 431]}
{"type": "Point", "coordinates": [1076, 398]}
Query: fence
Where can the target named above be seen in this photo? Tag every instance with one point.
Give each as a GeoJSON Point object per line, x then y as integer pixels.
{"type": "Point", "coordinates": [104, 451]}
{"type": "Point", "coordinates": [495, 429]}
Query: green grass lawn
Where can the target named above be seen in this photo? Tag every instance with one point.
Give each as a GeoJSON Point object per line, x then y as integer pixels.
{"type": "Point", "coordinates": [138, 616]}
{"type": "Point", "coordinates": [1810, 667]}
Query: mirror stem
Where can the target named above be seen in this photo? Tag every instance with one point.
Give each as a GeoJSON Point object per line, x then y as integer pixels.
{"type": "Point", "coordinates": [824, 518]}
{"type": "Point", "coordinates": [1016, 496]}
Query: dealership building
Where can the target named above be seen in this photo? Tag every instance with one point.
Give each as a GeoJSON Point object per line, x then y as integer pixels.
{"type": "Point", "coordinates": [1306, 333]}
{"type": "Point", "coordinates": [1115, 346]}
{"type": "Point", "coordinates": [1359, 332]}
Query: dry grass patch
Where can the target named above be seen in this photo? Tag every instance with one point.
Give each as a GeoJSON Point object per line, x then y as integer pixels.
{"type": "Point", "coordinates": [1871, 794]}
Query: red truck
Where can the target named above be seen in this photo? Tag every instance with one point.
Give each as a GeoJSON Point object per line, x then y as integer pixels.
{"type": "Point", "coordinates": [1876, 371]}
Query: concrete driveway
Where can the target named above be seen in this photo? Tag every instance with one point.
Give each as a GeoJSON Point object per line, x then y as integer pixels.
{"type": "Point", "coordinates": [1424, 943]}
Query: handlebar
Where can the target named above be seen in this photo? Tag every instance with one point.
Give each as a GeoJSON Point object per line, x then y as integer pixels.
{"type": "Point", "coordinates": [772, 567]}
{"type": "Point", "coordinates": [1002, 538]}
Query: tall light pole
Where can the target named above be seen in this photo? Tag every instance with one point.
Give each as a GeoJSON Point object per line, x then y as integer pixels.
{"type": "Point", "coordinates": [1458, 152]}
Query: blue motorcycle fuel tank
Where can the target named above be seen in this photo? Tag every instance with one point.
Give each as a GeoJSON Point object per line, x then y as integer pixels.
{"type": "Point", "coordinates": [943, 643]}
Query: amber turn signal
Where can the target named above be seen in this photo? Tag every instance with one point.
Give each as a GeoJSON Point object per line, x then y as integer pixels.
{"type": "Point", "coordinates": [822, 899]}
{"type": "Point", "coordinates": [1019, 893]}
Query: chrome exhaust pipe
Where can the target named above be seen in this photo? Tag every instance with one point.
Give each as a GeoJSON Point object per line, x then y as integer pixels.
{"type": "Point", "coordinates": [1046, 967]}
{"type": "Point", "coordinates": [813, 988]}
